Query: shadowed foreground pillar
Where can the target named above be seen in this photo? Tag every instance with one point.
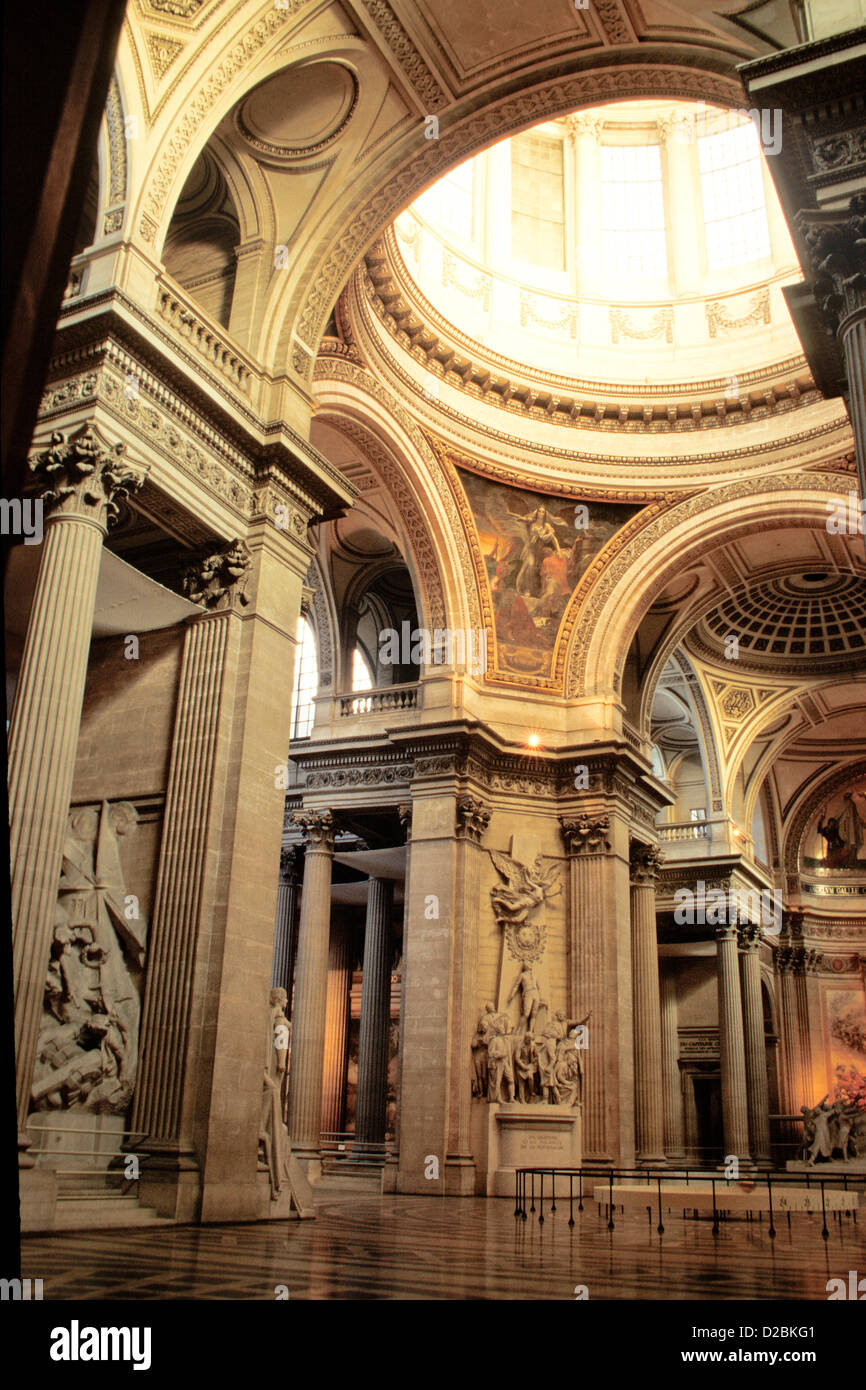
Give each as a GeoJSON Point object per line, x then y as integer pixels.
{"type": "Point", "coordinates": [287, 897]}
{"type": "Point", "coordinates": [83, 480]}
{"type": "Point", "coordinates": [311, 987]}
{"type": "Point", "coordinates": [674, 1147]}
{"type": "Point", "coordinates": [375, 1023]}
{"type": "Point", "coordinates": [649, 1090]}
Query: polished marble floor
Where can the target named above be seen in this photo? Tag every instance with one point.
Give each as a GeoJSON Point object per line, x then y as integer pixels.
{"type": "Point", "coordinates": [368, 1247]}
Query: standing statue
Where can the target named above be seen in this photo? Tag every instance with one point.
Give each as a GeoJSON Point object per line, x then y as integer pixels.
{"type": "Point", "coordinates": [480, 1044]}
{"type": "Point", "coordinates": [545, 1052]}
{"type": "Point", "coordinates": [526, 1069]}
{"type": "Point", "coordinates": [530, 995]}
{"type": "Point", "coordinates": [273, 1135]}
{"type": "Point", "coordinates": [501, 1061]}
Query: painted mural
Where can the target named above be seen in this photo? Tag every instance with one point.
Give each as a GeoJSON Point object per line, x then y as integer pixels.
{"type": "Point", "coordinates": [846, 1018]}
{"type": "Point", "coordinates": [836, 838]}
{"type": "Point", "coordinates": [535, 550]}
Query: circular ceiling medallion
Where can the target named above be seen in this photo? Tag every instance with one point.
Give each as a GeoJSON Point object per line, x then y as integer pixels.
{"type": "Point", "coordinates": [816, 618]}
{"type": "Point", "coordinates": [298, 112]}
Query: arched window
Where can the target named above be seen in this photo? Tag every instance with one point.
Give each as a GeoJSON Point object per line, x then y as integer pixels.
{"type": "Point", "coordinates": [362, 676]}
{"type": "Point", "coordinates": [306, 682]}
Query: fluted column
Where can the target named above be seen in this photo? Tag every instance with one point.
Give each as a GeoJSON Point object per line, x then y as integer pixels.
{"type": "Point", "coordinates": [82, 478]}
{"type": "Point", "coordinates": [684, 230]}
{"type": "Point", "coordinates": [336, 1030]}
{"type": "Point", "coordinates": [674, 1144]}
{"type": "Point", "coordinates": [311, 985]}
{"type": "Point", "coordinates": [182, 872]}
{"type": "Point", "coordinates": [584, 136]}
{"type": "Point", "coordinates": [837, 261]}
{"type": "Point", "coordinates": [587, 844]}
{"type": "Point", "coordinates": [649, 1090]}
{"type": "Point", "coordinates": [287, 895]}
{"type": "Point", "coordinates": [375, 1022]}
{"type": "Point", "coordinates": [471, 821]}
{"type": "Point", "coordinates": [735, 1110]}
{"type": "Point", "coordinates": [758, 1091]}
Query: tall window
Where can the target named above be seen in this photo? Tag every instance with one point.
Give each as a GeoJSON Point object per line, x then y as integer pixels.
{"type": "Point", "coordinates": [362, 676]}
{"type": "Point", "coordinates": [633, 211]}
{"type": "Point", "coordinates": [448, 204]}
{"type": "Point", "coordinates": [732, 188]}
{"type": "Point", "coordinates": [306, 681]}
{"type": "Point", "coordinates": [537, 201]}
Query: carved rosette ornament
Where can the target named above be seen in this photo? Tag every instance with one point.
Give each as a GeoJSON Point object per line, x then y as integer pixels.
{"type": "Point", "coordinates": [318, 830]}
{"type": "Point", "coordinates": [585, 834]}
{"type": "Point", "coordinates": [83, 476]}
{"type": "Point", "coordinates": [645, 862]}
{"type": "Point", "coordinates": [218, 581]}
{"type": "Point", "coordinates": [837, 252]}
{"type": "Point", "coordinates": [473, 819]}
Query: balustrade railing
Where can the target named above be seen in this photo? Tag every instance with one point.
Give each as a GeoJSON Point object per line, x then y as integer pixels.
{"type": "Point", "coordinates": [390, 698]}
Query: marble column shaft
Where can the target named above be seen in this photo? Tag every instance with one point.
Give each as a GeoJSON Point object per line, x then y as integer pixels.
{"type": "Point", "coordinates": [674, 1143]}
{"type": "Point", "coordinates": [472, 820]}
{"type": "Point", "coordinates": [337, 1030]}
{"type": "Point", "coordinates": [83, 478]}
{"type": "Point", "coordinates": [735, 1109]}
{"type": "Point", "coordinates": [649, 1088]}
{"type": "Point", "coordinates": [756, 1053]}
{"type": "Point", "coordinates": [311, 984]}
{"type": "Point", "coordinates": [375, 1022]}
{"type": "Point", "coordinates": [284, 936]}
{"type": "Point", "coordinates": [588, 846]}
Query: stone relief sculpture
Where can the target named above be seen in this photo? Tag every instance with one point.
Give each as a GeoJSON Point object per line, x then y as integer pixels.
{"type": "Point", "coordinates": [87, 1053]}
{"type": "Point", "coordinates": [536, 1061]}
{"type": "Point", "coordinates": [833, 1131]}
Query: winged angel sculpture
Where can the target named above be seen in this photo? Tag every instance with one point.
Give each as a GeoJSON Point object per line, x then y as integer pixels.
{"type": "Point", "coordinates": [527, 888]}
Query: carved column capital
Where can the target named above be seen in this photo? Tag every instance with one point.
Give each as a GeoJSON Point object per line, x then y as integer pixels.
{"type": "Point", "coordinates": [585, 834]}
{"type": "Point", "coordinates": [289, 868]}
{"type": "Point", "coordinates": [749, 936]}
{"type": "Point", "coordinates": [218, 580]}
{"type": "Point", "coordinates": [583, 124]}
{"type": "Point", "coordinates": [645, 861]}
{"type": "Point", "coordinates": [83, 476]}
{"type": "Point", "coordinates": [318, 830]}
{"type": "Point", "coordinates": [404, 813]}
{"type": "Point", "coordinates": [836, 246]}
{"type": "Point", "coordinates": [473, 818]}
{"type": "Point", "coordinates": [792, 923]}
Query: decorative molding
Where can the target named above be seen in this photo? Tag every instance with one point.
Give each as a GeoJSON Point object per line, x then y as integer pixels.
{"type": "Point", "coordinates": [831, 153]}
{"type": "Point", "coordinates": [719, 316]}
{"type": "Point", "coordinates": [162, 51]}
{"type": "Point", "coordinates": [567, 320]}
{"type": "Point", "coordinates": [407, 55]}
{"type": "Point", "coordinates": [322, 622]}
{"type": "Point", "coordinates": [481, 286]}
{"type": "Point", "coordinates": [661, 325]}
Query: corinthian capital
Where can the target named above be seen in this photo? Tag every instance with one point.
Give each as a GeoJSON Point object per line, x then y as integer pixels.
{"type": "Point", "coordinates": [585, 834]}
{"type": "Point", "coordinates": [219, 580]}
{"type": "Point", "coordinates": [83, 476]}
{"type": "Point", "coordinates": [645, 862]}
{"type": "Point", "coordinates": [836, 244]}
{"type": "Point", "coordinates": [473, 818]}
{"type": "Point", "coordinates": [317, 828]}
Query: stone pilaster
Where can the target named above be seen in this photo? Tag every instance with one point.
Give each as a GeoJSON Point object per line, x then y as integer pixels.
{"type": "Point", "coordinates": [758, 1092]}
{"type": "Point", "coordinates": [311, 986]}
{"type": "Point", "coordinates": [375, 1021]}
{"type": "Point", "coordinates": [336, 1030]}
{"type": "Point", "coordinates": [472, 820]}
{"type": "Point", "coordinates": [284, 936]}
{"type": "Point", "coordinates": [82, 480]}
{"type": "Point", "coordinates": [389, 1179]}
{"type": "Point", "coordinates": [836, 244]}
{"type": "Point", "coordinates": [674, 1141]}
{"type": "Point", "coordinates": [735, 1110]}
{"type": "Point", "coordinates": [587, 843]}
{"type": "Point", "coordinates": [649, 1089]}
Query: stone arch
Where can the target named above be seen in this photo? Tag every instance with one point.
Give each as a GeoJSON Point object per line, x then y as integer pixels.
{"type": "Point", "coordinates": [618, 588]}
{"type": "Point", "coordinates": [318, 611]}
{"type": "Point", "coordinates": [398, 451]}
